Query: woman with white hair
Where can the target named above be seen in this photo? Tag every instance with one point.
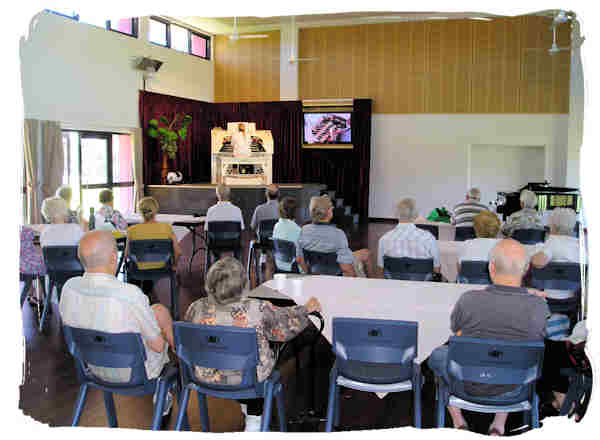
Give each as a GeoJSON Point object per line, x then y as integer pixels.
{"type": "Point", "coordinates": [59, 233]}
{"type": "Point", "coordinates": [561, 245]}
{"type": "Point", "coordinates": [226, 304]}
{"type": "Point", "coordinates": [526, 218]}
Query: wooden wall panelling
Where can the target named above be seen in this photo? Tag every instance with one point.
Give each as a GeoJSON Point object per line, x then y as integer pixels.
{"type": "Point", "coordinates": [247, 70]}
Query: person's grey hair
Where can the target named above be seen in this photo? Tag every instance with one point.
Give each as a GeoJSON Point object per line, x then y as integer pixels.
{"type": "Point", "coordinates": [506, 264]}
{"type": "Point", "coordinates": [223, 193]}
{"type": "Point", "coordinates": [528, 199]}
{"type": "Point", "coordinates": [226, 280]}
{"type": "Point", "coordinates": [101, 253]}
{"type": "Point", "coordinates": [319, 208]}
{"type": "Point", "coordinates": [563, 220]}
{"type": "Point", "coordinates": [53, 208]}
{"type": "Point", "coordinates": [475, 194]}
{"type": "Point", "coordinates": [64, 192]}
{"type": "Point", "coordinates": [406, 210]}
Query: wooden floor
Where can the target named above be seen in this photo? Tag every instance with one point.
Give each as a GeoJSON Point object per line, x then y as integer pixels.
{"type": "Point", "coordinates": [50, 386]}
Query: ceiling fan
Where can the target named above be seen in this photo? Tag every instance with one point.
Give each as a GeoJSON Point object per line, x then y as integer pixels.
{"type": "Point", "coordinates": [235, 35]}
{"type": "Point", "coordinates": [558, 17]}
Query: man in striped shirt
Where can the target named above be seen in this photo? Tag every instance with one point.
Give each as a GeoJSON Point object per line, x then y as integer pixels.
{"type": "Point", "coordinates": [465, 212]}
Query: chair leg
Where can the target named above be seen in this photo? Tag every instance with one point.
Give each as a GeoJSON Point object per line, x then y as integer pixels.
{"type": "Point", "coordinates": [441, 404]}
{"type": "Point", "coordinates": [266, 416]}
{"type": "Point", "coordinates": [332, 400]}
{"type": "Point", "coordinates": [203, 412]}
{"type": "Point", "coordinates": [257, 266]}
{"type": "Point", "coordinates": [79, 404]}
{"type": "Point", "coordinates": [535, 415]}
{"type": "Point", "coordinates": [281, 409]}
{"type": "Point", "coordinates": [111, 413]}
{"type": "Point", "coordinates": [569, 398]}
{"type": "Point", "coordinates": [250, 255]}
{"type": "Point", "coordinates": [174, 297]}
{"type": "Point", "coordinates": [159, 405]}
{"type": "Point", "coordinates": [26, 288]}
{"type": "Point", "coordinates": [182, 414]}
{"type": "Point", "coordinates": [417, 397]}
{"type": "Point", "coordinates": [46, 305]}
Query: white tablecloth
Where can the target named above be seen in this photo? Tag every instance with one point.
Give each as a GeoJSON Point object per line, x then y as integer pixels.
{"type": "Point", "coordinates": [179, 231]}
{"type": "Point", "coordinates": [133, 217]}
{"type": "Point", "coordinates": [429, 304]}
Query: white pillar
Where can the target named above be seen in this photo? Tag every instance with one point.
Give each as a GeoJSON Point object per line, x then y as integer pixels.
{"type": "Point", "coordinates": [288, 72]}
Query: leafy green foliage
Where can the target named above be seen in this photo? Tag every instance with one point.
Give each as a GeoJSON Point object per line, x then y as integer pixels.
{"type": "Point", "coordinates": [170, 133]}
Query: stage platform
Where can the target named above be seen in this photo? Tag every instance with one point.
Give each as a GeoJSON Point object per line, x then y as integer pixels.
{"type": "Point", "coordinates": [193, 199]}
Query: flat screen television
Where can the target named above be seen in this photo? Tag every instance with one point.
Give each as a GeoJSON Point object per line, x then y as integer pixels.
{"type": "Point", "coordinates": [328, 130]}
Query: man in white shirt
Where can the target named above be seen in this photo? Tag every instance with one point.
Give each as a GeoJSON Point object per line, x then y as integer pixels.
{"type": "Point", "coordinates": [224, 210]}
{"type": "Point", "coordinates": [99, 301]}
{"type": "Point", "coordinates": [406, 240]}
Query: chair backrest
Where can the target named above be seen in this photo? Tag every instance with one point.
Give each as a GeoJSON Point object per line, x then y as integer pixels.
{"type": "Point", "coordinates": [475, 272]}
{"type": "Point", "coordinates": [557, 276]}
{"type": "Point", "coordinates": [464, 233]}
{"type": "Point", "coordinates": [284, 250]}
{"type": "Point", "coordinates": [412, 269]}
{"type": "Point", "coordinates": [529, 236]}
{"type": "Point", "coordinates": [220, 347]}
{"type": "Point", "coordinates": [493, 361]}
{"type": "Point", "coordinates": [265, 229]}
{"type": "Point", "coordinates": [224, 234]}
{"type": "Point", "coordinates": [110, 350]}
{"type": "Point", "coordinates": [62, 262]}
{"type": "Point", "coordinates": [151, 251]}
{"type": "Point", "coordinates": [375, 341]}
{"type": "Point", "coordinates": [430, 228]}
{"type": "Point", "coordinates": [321, 263]}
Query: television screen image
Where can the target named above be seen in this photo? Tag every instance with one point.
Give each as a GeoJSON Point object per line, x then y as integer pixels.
{"type": "Point", "coordinates": [327, 128]}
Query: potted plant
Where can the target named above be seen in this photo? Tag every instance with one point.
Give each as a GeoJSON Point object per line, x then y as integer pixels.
{"type": "Point", "coordinates": [168, 134]}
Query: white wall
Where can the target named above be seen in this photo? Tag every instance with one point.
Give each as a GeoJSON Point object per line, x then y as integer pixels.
{"type": "Point", "coordinates": [495, 168]}
{"type": "Point", "coordinates": [426, 156]}
{"type": "Point", "coordinates": [84, 75]}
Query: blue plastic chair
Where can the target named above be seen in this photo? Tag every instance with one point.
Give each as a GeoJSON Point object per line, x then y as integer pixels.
{"type": "Point", "coordinates": [322, 263]}
{"type": "Point", "coordinates": [463, 233]}
{"type": "Point", "coordinates": [224, 348]}
{"type": "Point", "coordinates": [529, 236]}
{"type": "Point", "coordinates": [429, 228]}
{"type": "Point", "coordinates": [374, 355]}
{"type": "Point", "coordinates": [115, 350]}
{"type": "Point", "coordinates": [264, 243]}
{"type": "Point", "coordinates": [154, 251]}
{"type": "Point", "coordinates": [412, 269]}
{"type": "Point", "coordinates": [560, 276]}
{"type": "Point", "coordinates": [494, 362]}
{"type": "Point", "coordinates": [285, 250]}
{"type": "Point", "coordinates": [62, 263]}
{"type": "Point", "coordinates": [474, 272]}
{"type": "Point", "coordinates": [222, 237]}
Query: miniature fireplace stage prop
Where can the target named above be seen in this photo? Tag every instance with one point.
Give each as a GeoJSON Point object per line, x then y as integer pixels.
{"type": "Point", "coordinates": [241, 155]}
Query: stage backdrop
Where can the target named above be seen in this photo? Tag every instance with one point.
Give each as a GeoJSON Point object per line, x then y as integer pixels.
{"type": "Point", "coordinates": [345, 171]}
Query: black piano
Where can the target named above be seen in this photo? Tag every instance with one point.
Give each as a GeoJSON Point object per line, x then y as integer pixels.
{"type": "Point", "coordinates": [548, 197]}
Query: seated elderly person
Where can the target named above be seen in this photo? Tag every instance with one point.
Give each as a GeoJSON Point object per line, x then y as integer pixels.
{"type": "Point", "coordinates": [66, 193]}
{"type": "Point", "coordinates": [108, 214]}
{"type": "Point", "coordinates": [464, 213]}
{"type": "Point", "coordinates": [59, 232]}
{"type": "Point", "coordinates": [226, 305]}
{"type": "Point", "coordinates": [526, 218]}
{"type": "Point", "coordinates": [503, 310]}
{"type": "Point", "coordinates": [406, 240]}
{"type": "Point", "coordinates": [322, 236]}
{"type": "Point", "coordinates": [151, 230]}
{"type": "Point", "coordinates": [287, 228]}
{"type": "Point", "coordinates": [487, 226]}
{"type": "Point", "coordinates": [31, 260]}
{"type": "Point", "coordinates": [223, 210]}
{"type": "Point", "coordinates": [561, 245]}
{"type": "Point", "coordinates": [266, 211]}
{"type": "Point", "coordinates": [99, 301]}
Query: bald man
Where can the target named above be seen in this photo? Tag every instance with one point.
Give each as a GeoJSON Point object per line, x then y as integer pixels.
{"type": "Point", "coordinates": [99, 301]}
{"type": "Point", "coordinates": [504, 310]}
{"type": "Point", "coordinates": [267, 211]}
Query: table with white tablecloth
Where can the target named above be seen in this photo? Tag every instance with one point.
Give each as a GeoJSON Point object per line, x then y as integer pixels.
{"type": "Point", "coordinates": [429, 304]}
